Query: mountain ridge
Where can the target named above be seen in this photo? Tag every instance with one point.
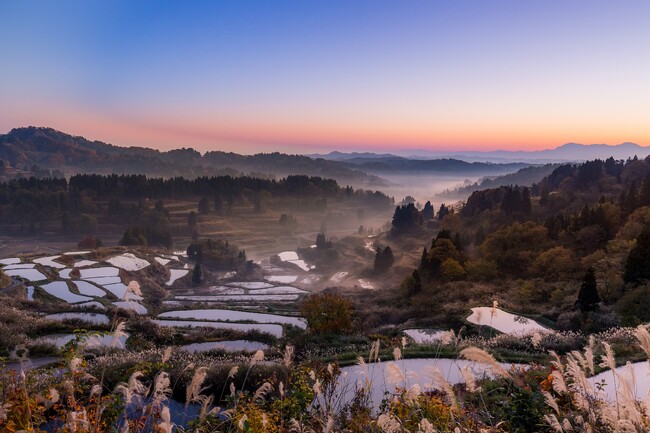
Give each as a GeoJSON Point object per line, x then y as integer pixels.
{"type": "Point", "coordinates": [51, 149]}
{"type": "Point", "coordinates": [568, 152]}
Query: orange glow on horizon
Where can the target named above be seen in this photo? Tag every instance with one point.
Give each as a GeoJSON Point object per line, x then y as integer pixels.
{"type": "Point", "coordinates": [307, 136]}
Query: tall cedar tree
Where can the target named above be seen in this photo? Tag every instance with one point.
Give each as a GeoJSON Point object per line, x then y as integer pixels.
{"type": "Point", "coordinates": [588, 297]}
{"type": "Point", "coordinates": [197, 274]}
{"type": "Point", "coordinates": [428, 211]}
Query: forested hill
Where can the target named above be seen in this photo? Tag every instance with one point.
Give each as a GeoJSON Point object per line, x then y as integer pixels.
{"type": "Point", "coordinates": [36, 151]}
{"type": "Point", "coordinates": [394, 164]}
{"type": "Point", "coordinates": [574, 245]}
{"type": "Point", "coordinates": [523, 177]}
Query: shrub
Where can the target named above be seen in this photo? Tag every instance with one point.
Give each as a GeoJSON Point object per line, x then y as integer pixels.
{"type": "Point", "coordinates": [327, 312]}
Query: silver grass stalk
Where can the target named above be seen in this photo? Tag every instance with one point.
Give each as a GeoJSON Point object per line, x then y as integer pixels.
{"type": "Point", "coordinates": [329, 425]}
{"type": "Point", "coordinates": [440, 382]}
{"type": "Point", "coordinates": [162, 389]}
{"type": "Point", "coordinates": [167, 354]}
{"type": "Point", "coordinates": [389, 423]}
{"type": "Point", "coordinates": [194, 388]}
{"type": "Point", "coordinates": [413, 393]}
{"type": "Point", "coordinates": [257, 357]}
{"type": "Point", "coordinates": [478, 355]}
{"type": "Point", "coordinates": [118, 333]}
{"type": "Point", "coordinates": [550, 401]}
{"type": "Point", "coordinates": [426, 426]}
{"type": "Point", "coordinates": [263, 390]}
{"type": "Point", "coordinates": [470, 379]}
{"type": "Point", "coordinates": [553, 422]}
{"type": "Point", "coordinates": [166, 424]}
{"type": "Point", "coordinates": [288, 356]}
{"type": "Point", "coordinates": [559, 385]}
{"type": "Point", "coordinates": [394, 373]}
{"type": "Point", "coordinates": [642, 335]}
{"type": "Point", "coordinates": [241, 422]}
{"type": "Point", "coordinates": [608, 360]}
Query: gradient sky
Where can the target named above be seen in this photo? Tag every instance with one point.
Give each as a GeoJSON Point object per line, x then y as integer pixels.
{"type": "Point", "coordinates": [314, 76]}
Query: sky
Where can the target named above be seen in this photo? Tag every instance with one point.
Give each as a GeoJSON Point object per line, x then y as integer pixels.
{"type": "Point", "coordinates": [315, 76]}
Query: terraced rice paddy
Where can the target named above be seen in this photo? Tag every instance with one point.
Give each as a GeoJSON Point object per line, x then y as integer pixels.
{"type": "Point", "coordinates": [233, 315]}
{"type": "Point", "coordinates": [60, 290]}
{"type": "Point", "coordinates": [89, 317]}
{"type": "Point", "coordinates": [503, 321]}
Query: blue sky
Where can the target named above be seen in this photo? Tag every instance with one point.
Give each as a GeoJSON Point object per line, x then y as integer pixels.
{"type": "Point", "coordinates": [321, 75]}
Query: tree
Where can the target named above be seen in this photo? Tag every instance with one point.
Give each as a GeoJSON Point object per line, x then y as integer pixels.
{"type": "Point", "coordinates": [412, 284]}
{"type": "Point", "coordinates": [383, 259]}
{"type": "Point", "coordinates": [424, 261]}
{"type": "Point", "coordinates": [514, 247]}
{"type": "Point", "coordinates": [543, 200]}
{"type": "Point", "coordinates": [427, 212]}
{"type": "Point", "coordinates": [133, 236]}
{"type": "Point", "coordinates": [631, 199]}
{"type": "Point", "coordinates": [442, 212]}
{"type": "Point", "coordinates": [588, 297]}
{"type": "Point", "coordinates": [637, 267]}
{"type": "Point", "coordinates": [327, 312]}
{"type": "Point", "coordinates": [204, 206]}
{"type": "Point", "coordinates": [451, 270]}
{"type": "Point", "coordinates": [388, 257]}
{"type": "Point", "coordinates": [197, 274]}
{"type": "Point", "coordinates": [322, 242]}
{"type": "Point", "coordinates": [90, 243]}
{"type": "Point", "coordinates": [526, 206]}
{"type": "Point", "coordinates": [555, 263]}
{"type": "Point", "coordinates": [405, 218]}
{"type": "Point", "coordinates": [442, 250]}
{"type": "Point", "coordinates": [288, 220]}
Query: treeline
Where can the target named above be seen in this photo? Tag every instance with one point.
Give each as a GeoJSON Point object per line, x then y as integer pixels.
{"type": "Point", "coordinates": [41, 200]}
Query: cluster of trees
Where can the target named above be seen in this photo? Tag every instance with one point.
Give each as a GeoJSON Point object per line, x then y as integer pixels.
{"type": "Point", "coordinates": [513, 201]}
{"type": "Point", "coordinates": [384, 259]}
{"type": "Point", "coordinates": [288, 220]}
{"type": "Point", "coordinates": [219, 254]}
{"type": "Point", "coordinates": [153, 228]}
{"type": "Point", "coordinates": [322, 242]}
{"type": "Point", "coordinates": [408, 217]}
{"type": "Point", "coordinates": [443, 261]}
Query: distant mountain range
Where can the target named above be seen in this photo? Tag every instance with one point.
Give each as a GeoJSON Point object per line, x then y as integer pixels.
{"type": "Point", "coordinates": [565, 153]}
{"type": "Point", "coordinates": [36, 150]}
